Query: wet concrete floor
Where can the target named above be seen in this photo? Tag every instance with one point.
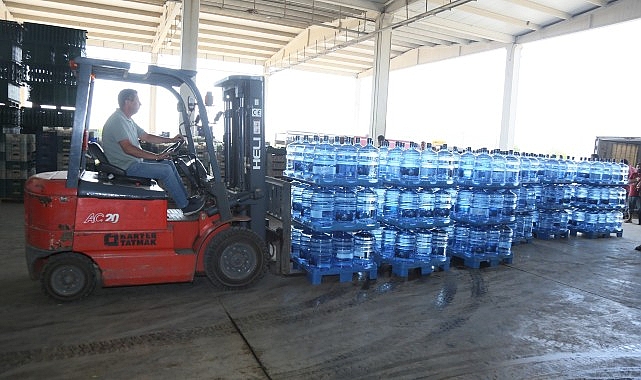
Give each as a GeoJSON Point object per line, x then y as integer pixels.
{"type": "Point", "coordinates": [564, 309]}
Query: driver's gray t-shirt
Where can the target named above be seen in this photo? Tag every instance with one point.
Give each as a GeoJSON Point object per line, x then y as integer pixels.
{"type": "Point", "coordinates": [119, 127]}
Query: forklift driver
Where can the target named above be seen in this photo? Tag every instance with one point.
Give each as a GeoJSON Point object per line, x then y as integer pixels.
{"type": "Point", "coordinates": [121, 138]}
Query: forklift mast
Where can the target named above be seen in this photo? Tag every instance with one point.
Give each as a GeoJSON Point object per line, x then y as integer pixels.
{"type": "Point", "coordinates": [244, 146]}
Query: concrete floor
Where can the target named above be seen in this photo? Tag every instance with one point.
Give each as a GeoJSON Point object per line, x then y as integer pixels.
{"type": "Point", "coordinates": [565, 309]}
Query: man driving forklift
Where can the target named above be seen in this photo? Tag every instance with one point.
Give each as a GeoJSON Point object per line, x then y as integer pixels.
{"type": "Point", "coordinates": [121, 138]}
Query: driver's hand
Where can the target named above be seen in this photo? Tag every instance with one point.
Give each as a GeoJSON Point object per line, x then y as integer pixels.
{"type": "Point", "coordinates": [177, 138]}
{"type": "Point", "coordinates": [162, 156]}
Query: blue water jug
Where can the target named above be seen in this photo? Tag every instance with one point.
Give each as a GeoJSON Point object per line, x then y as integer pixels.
{"type": "Point", "coordinates": [445, 166]}
{"type": "Point", "coordinates": [499, 164]}
{"type": "Point", "coordinates": [366, 206]}
{"type": "Point", "coordinates": [389, 241]}
{"type": "Point", "coordinates": [367, 167]}
{"type": "Point", "coordinates": [307, 167]}
{"type": "Point", "coordinates": [439, 246]}
{"type": "Point", "coordinates": [429, 163]}
{"type": "Point", "coordinates": [465, 169]}
{"type": "Point", "coordinates": [410, 165]}
{"type": "Point", "coordinates": [423, 244]}
{"type": "Point", "coordinates": [324, 162]}
{"type": "Point", "coordinates": [512, 169]}
{"type": "Point", "coordinates": [405, 247]}
{"type": "Point", "coordinates": [344, 205]}
{"type": "Point", "coordinates": [291, 157]}
{"type": "Point", "coordinates": [383, 162]}
{"type": "Point", "coordinates": [482, 175]}
{"type": "Point", "coordinates": [408, 207]}
{"type": "Point", "coordinates": [426, 206]}
{"type": "Point", "coordinates": [390, 208]}
{"type": "Point", "coordinates": [346, 166]}
{"type": "Point", "coordinates": [322, 208]}
{"type": "Point", "coordinates": [364, 249]}
{"type": "Point", "coordinates": [343, 245]}
{"type": "Point", "coordinates": [321, 250]}
{"type": "Point", "coordinates": [394, 161]}
{"type": "Point", "coordinates": [480, 208]}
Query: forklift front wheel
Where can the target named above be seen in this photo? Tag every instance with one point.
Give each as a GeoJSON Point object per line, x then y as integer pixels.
{"type": "Point", "coordinates": [68, 277]}
{"type": "Point", "coordinates": [235, 258]}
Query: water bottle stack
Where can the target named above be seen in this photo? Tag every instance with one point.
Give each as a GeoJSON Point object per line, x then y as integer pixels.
{"type": "Point", "coordinates": [598, 198]}
{"type": "Point", "coordinates": [556, 176]}
{"type": "Point", "coordinates": [333, 206]}
{"type": "Point", "coordinates": [356, 207]}
{"type": "Point", "coordinates": [585, 196]}
{"type": "Point", "coordinates": [416, 188]}
{"type": "Point", "coordinates": [485, 207]}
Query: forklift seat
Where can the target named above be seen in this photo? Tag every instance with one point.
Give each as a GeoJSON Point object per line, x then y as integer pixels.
{"type": "Point", "coordinates": [110, 172]}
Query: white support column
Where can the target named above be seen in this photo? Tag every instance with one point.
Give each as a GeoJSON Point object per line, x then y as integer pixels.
{"type": "Point", "coordinates": [189, 35]}
{"type": "Point", "coordinates": [510, 92]}
{"type": "Point", "coordinates": [189, 40]}
{"type": "Point", "coordinates": [153, 101]}
{"type": "Point", "coordinates": [383, 46]}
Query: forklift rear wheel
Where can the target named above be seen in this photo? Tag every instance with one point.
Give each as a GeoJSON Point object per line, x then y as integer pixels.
{"type": "Point", "coordinates": [68, 277]}
{"type": "Point", "coordinates": [235, 258]}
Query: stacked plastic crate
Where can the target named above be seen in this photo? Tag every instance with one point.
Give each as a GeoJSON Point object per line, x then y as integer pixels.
{"type": "Point", "coordinates": [52, 128]}
{"type": "Point", "coordinates": [47, 51]}
{"type": "Point", "coordinates": [12, 72]}
{"type": "Point", "coordinates": [16, 164]}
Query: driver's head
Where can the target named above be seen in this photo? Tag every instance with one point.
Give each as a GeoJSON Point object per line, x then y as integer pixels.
{"type": "Point", "coordinates": [128, 101]}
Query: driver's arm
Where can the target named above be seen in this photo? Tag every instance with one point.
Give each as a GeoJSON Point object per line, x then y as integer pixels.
{"type": "Point", "coordinates": [155, 139]}
{"type": "Point", "coordinates": [133, 150]}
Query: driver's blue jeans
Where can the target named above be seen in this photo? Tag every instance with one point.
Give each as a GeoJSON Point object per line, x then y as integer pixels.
{"type": "Point", "coordinates": [165, 172]}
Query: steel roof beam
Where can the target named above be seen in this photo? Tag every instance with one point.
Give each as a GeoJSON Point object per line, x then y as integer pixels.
{"type": "Point", "coordinates": [615, 12]}
{"type": "Point", "coordinates": [541, 8]}
{"type": "Point", "coordinates": [5, 14]}
{"type": "Point", "coordinates": [171, 11]}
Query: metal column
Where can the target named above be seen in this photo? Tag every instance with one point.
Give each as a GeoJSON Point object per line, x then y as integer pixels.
{"type": "Point", "coordinates": [383, 47]}
{"type": "Point", "coordinates": [510, 92]}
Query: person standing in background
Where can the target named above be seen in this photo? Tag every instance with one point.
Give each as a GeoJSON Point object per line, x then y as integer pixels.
{"type": "Point", "coordinates": [633, 192]}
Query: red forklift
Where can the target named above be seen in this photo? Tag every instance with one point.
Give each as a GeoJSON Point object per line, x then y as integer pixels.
{"type": "Point", "coordinates": [91, 225]}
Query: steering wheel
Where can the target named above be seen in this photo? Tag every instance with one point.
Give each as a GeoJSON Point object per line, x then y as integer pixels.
{"type": "Point", "coordinates": [173, 148]}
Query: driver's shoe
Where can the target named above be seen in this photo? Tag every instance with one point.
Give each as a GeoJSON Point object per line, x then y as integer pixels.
{"type": "Point", "coordinates": [195, 205]}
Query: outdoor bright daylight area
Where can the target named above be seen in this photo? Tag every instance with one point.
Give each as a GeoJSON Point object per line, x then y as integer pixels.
{"type": "Point", "coordinates": [570, 90]}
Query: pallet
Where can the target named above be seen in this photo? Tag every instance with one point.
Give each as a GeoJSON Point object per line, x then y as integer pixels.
{"type": "Point", "coordinates": [544, 235]}
{"type": "Point", "coordinates": [345, 274]}
{"type": "Point", "coordinates": [402, 267]}
{"type": "Point", "coordinates": [596, 235]}
{"type": "Point", "coordinates": [477, 262]}
{"type": "Point", "coordinates": [521, 241]}
{"type": "Point", "coordinates": [441, 266]}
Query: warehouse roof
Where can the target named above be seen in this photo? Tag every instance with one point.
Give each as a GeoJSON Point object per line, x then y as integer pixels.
{"type": "Point", "coordinates": [335, 36]}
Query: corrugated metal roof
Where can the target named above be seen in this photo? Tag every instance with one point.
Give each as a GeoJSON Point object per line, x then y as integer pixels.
{"type": "Point", "coordinates": [334, 36]}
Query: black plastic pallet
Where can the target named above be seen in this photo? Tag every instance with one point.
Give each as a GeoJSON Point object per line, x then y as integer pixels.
{"type": "Point", "coordinates": [345, 274]}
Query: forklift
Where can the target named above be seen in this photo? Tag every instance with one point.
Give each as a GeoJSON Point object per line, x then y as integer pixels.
{"type": "Point", "coordinates": [92, 225]}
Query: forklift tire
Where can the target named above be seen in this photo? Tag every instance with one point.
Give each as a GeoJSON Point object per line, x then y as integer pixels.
{"type": "Point", "coordinates": [68, 277]}
{"type": "Point", "coordinates": [235, 258]}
